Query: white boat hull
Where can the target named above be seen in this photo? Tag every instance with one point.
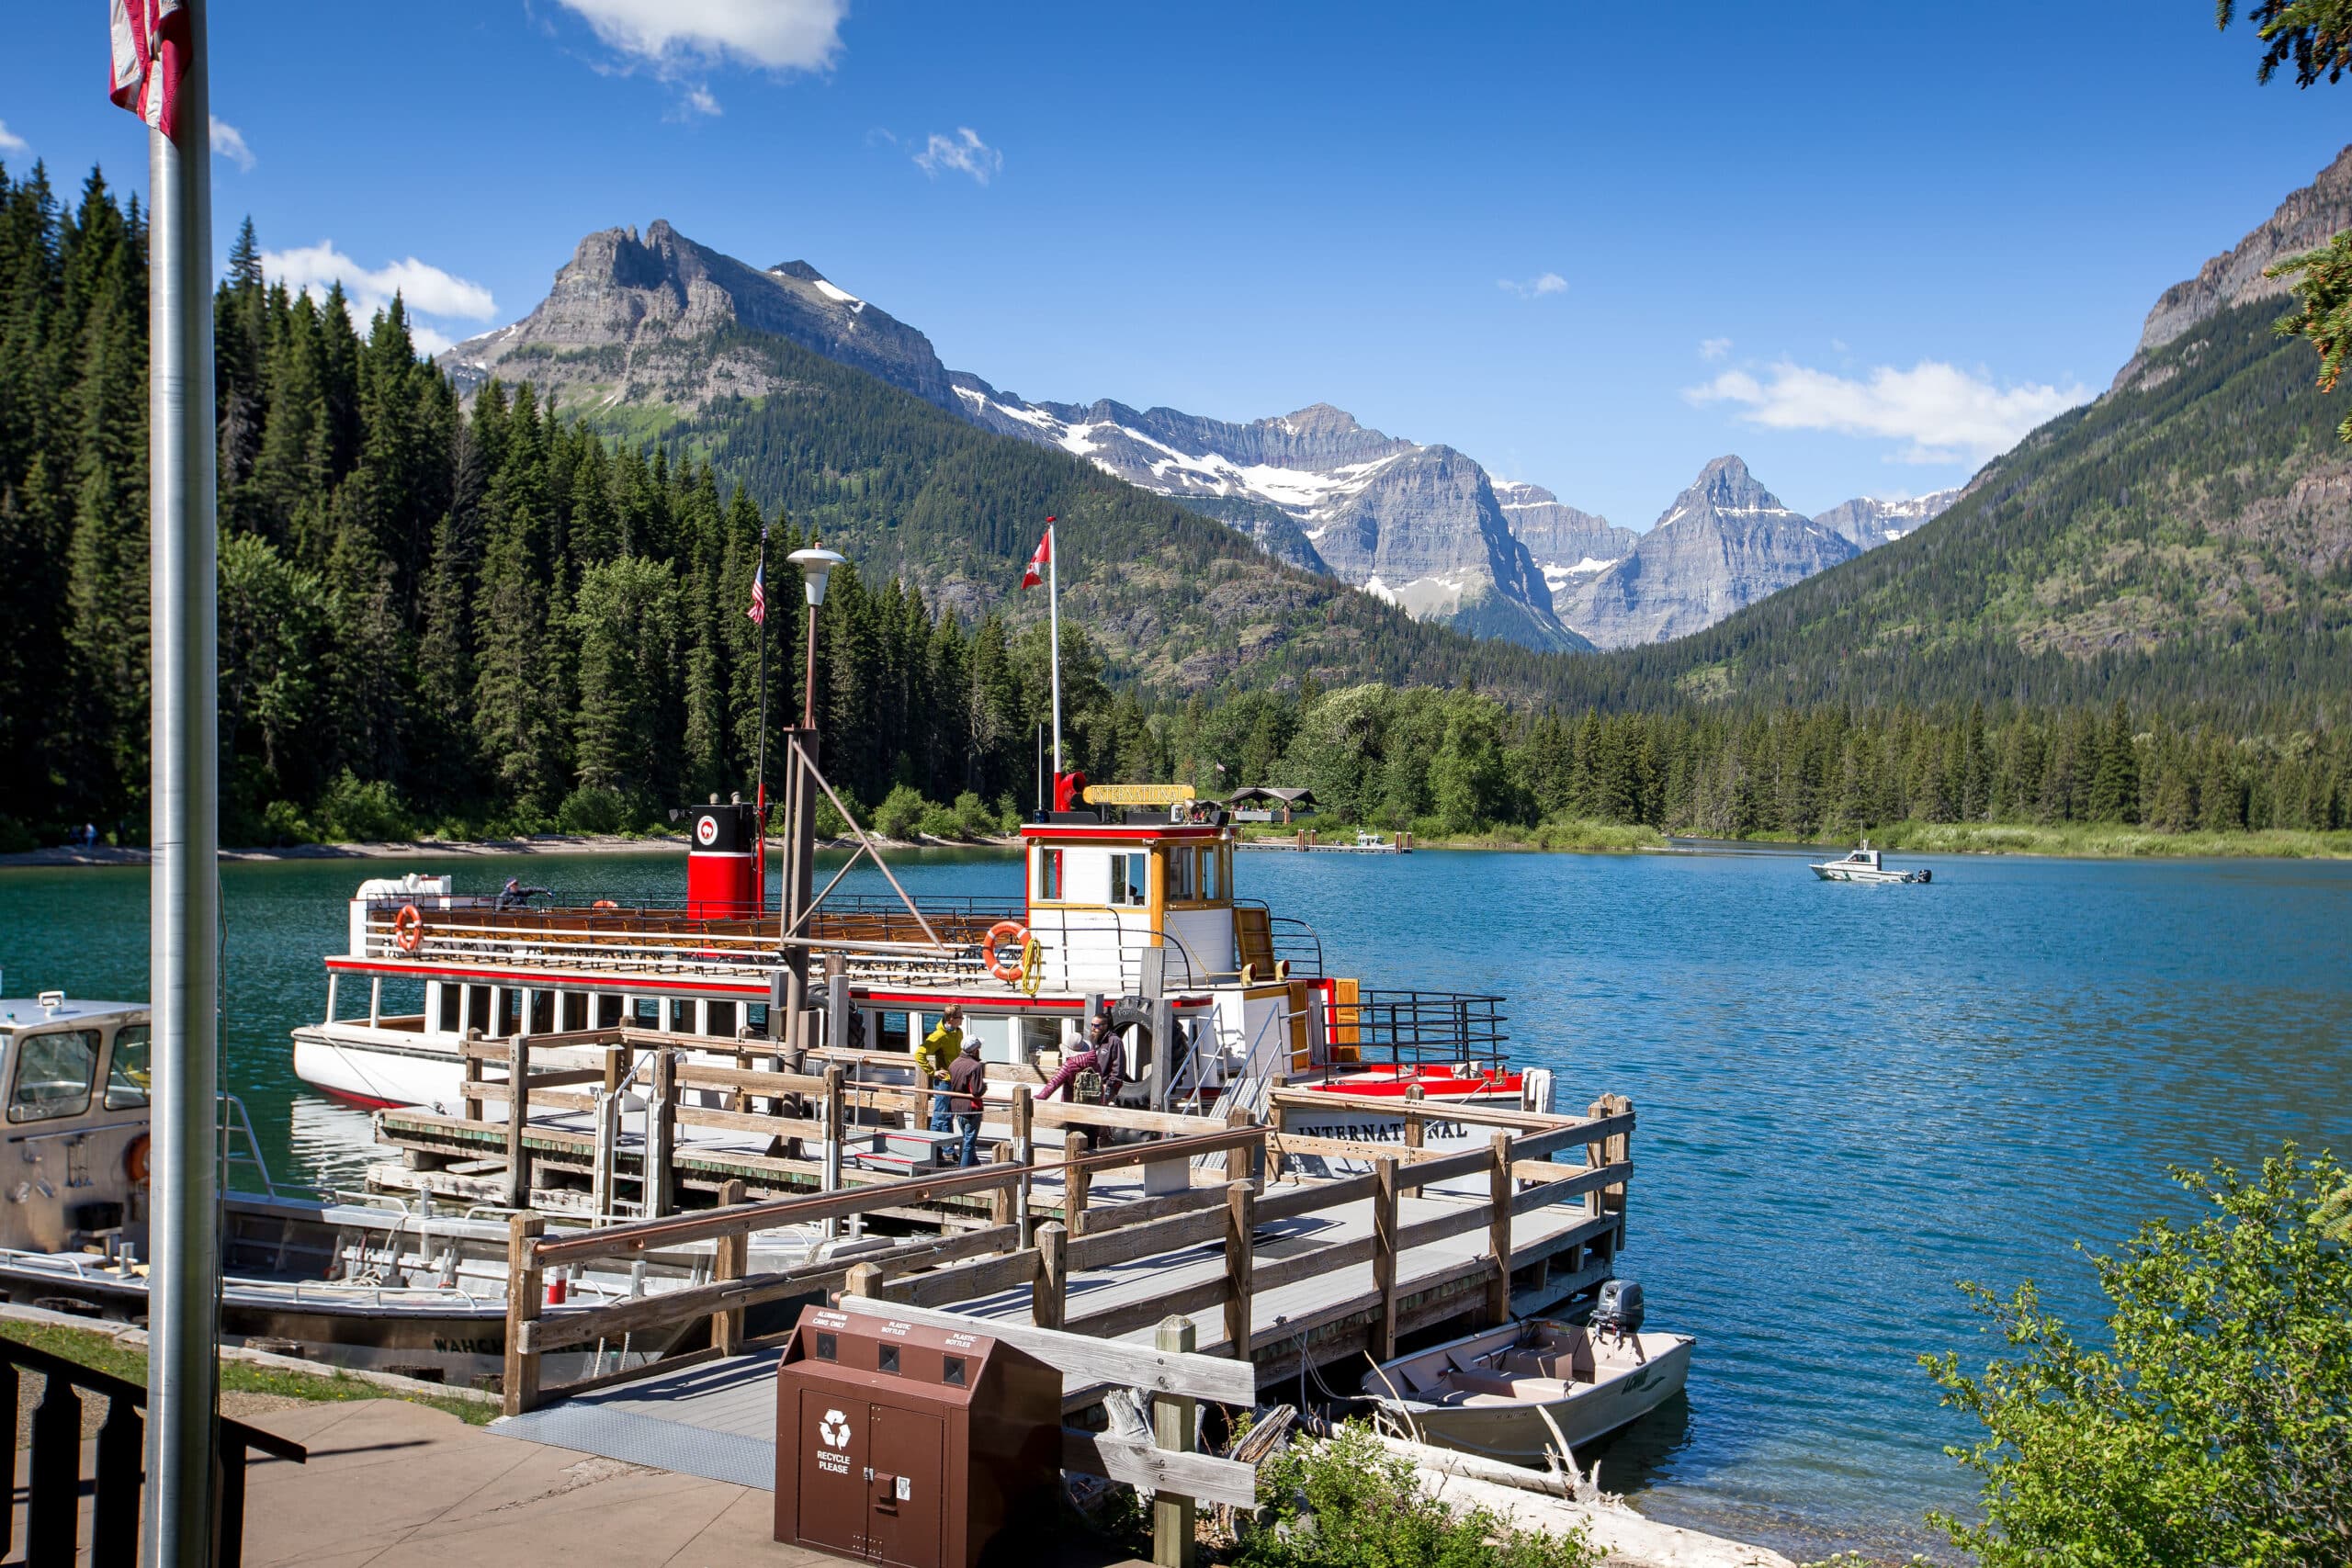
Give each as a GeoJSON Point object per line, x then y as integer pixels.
{"type": "Point", "coordinates": [1513, 1426]}
{"type": "Point", "coordinates": [1834, 873]}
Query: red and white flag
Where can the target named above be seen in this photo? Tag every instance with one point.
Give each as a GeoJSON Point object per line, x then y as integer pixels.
{"type": "Point", "coordinates": [150, 51]}
{"type": "Point", "coordinates": [759, 610]}
{"type": "Point", "coordinates": [1039, 559]}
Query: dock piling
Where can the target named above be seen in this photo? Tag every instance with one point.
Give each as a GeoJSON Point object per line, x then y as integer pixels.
{"type": "Point", "coordinates": [520, 1386]}
{"type": "Point", "coordinates": [1172, 1419]}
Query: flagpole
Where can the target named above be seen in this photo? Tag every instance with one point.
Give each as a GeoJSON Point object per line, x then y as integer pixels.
{"type": "Point", "coordinates": [760, 767]}
{"type": "Point", "coordinates": [183, 1273]}
{"type": "Point", "coordinates": [1053, 615]}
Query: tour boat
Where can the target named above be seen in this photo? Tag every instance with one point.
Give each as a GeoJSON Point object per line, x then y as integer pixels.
{"type": "Point", "coordinates": [1218, 1000]}
{"type": "Point", "coordinates": [1864, 865]}
{"type": "Point", "coordinates": [1524, 1389]}
{"type": "Point", "coordinates": [366, 1280]}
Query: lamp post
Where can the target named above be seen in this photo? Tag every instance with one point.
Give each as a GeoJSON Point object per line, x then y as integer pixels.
{"type": "Point", "coordinates": [816, 564]}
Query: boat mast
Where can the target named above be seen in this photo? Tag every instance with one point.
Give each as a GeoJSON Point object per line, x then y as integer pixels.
{"type": "Point", "coordinates": [1054, 619]}
{"type": "Point", "coordinates": [184, 1252]}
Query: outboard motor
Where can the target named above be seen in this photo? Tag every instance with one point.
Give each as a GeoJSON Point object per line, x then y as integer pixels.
{"type": "Point", "coordinates": [1927, 875]}
{"type": "Point", "coordinates": [1618, 1311]}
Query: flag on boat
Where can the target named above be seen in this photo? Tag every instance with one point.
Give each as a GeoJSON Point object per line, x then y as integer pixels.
{"type": "Point", "coordinates": [1040, 559]}
{"type": "Point", "coordinates": [759, 610]}
{"type": "Point", "coordinates": [150, 46]}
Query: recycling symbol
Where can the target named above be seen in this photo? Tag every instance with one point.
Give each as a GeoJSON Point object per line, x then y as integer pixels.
{"type": "Point", "coordinates": [834, 1429]}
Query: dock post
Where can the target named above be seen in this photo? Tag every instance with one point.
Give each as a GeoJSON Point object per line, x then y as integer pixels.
{"type": "Point", "coordinates": [1075, 1182]}
{"type": "Point", "coordinates": [1240, 1220]}
{"type": "Point", "coordinates": [472, 1076]}
{"type": "Point", "coordinates": [836, 1101]}
{"type": "Point", "coordinates": [662, 1132]}
{"type": "Point", "coordinates": [518, 1116]}
{"type": "Point", "coordinates": [1025, 1153]}
{"type": "Point", "coordinates": [1002, 1200]}
{"type": "Point", "coordinates": [1416, 1130]}
{"type": "Point", "coordinates": [1049, 1293]}
{"type": "Point", "coordinates": [520, 1388]}
{"type": "Point", "coordinates": [730, 1257]}
{"type": "Point", "coordinates": [864, 1279]}
{"type": "Point", "coordinates": [1240, 1165]}
{"type": "Point", "coordinates": [1384, 1256]}
{"type": "Point", "coordinates": [1172, 1417]}
{"type": "Point", "coordinates": [1498, 1233]}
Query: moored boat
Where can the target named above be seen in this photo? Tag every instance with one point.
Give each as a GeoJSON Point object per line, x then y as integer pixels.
{"type": "Point", "coordinates": [1525, 1389]}
{"type": "Point", "coordinates": [1130, 904]}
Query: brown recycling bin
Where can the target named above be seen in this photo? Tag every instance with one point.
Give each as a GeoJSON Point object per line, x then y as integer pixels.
{"type": "Point", "coordinates": [902, 1444]}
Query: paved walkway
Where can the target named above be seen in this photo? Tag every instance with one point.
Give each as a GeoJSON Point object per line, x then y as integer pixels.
{"type": "Point", "coordinates": [391, 1485]}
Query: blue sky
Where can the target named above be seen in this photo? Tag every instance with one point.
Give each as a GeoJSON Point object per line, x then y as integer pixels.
{"type": "Point", "coordinates": [1863, 245]}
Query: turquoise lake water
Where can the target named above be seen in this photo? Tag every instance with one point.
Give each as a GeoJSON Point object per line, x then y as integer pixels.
{"type": "Point", "coordinates": [1849, 1096]}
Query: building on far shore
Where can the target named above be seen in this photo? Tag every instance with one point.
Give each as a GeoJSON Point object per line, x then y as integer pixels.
{"type": "Point", "coordinates": [1261, 803]}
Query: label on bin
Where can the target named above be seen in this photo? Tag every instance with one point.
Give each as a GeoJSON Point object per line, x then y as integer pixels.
{"type": "Point", "coordinates": [833, 1432]}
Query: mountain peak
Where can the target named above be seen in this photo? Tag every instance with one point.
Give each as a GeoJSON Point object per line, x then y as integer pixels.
{"type": "Point", "coordinates": [1724, 485]}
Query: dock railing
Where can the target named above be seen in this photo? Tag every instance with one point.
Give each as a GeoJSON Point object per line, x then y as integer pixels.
{"type": "Point", "coordinates": [1016, 1248]}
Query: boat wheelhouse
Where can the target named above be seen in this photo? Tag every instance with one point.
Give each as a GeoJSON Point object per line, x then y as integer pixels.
{"type": "Point", "coordinates": [1130, 905]}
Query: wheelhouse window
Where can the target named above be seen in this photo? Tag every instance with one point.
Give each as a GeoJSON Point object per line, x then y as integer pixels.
{"type": "Point", "coordinates": [1181, 884]}
{"type": "Point", "coordinates": [130, 1069]}
{"type": "Point", "coordinates": [1213, 879]}
{"type": "Point", "coordinates": [1047, 878]}
{"type": "Point", "coordinates": [54, 1072]}
{"type": "Point", "coordinates": [1130, 878]}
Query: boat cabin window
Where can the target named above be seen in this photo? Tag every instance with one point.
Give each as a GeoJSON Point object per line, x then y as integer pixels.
{"type": "Point", "coordinates": [130, 1067]}
{"type": "Point", "coordinates": [53, 1074]}
{"type": "Point", "coordinates": [481, 1004]}
{"type": "Point", "coordinates": [543, 1012]}
{"type": "Point", "coordinates": [1046, 878]}
{"type": "Point", "coordinates": [755, 1018]}
{"type": "Point", "coordinates": [719, 1018]}
{"type": "Point", "coordinates": [1182, 882]}
{"type": "Point", "coordinates": [682, 1016]}
{"type": "Point", "coordinates": [450, 1008]}
{"type": "Point", "coordinates": [647, 1012]}
{"type": "Point", "coordinates": [1130, 878]}
{"type": "Point", "coordinates": [510, 1013]}
{"type": "Point", "coordinates": [1213, 879]}
{"type": "Point", "coordinates": [574, 1011]}
{"type": "Point", "coordinates": [609, 1010]}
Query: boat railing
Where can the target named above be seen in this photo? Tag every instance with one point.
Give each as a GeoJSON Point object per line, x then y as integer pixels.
{"type": "Point", "coordinates": [1410, 1029]}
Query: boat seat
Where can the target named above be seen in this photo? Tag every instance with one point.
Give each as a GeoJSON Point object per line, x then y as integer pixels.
{"type": "Point", "coordinates": [1481, 1382]}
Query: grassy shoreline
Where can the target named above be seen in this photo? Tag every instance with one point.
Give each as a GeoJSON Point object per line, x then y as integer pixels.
{"type": "Point", "coordinates": [2072, 841]}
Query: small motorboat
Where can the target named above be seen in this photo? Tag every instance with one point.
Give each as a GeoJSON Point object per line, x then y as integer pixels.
{"type": "Point", "coordinates": [1520, 1392]}
{"type": "Point", "coordinates": [1864, 865]}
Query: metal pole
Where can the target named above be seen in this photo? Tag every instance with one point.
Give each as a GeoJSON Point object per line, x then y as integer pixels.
{"type": "Point", "coordinates": [184, 1275]}
{"type": "Point", "coordinates": [800, 858]}
{"type": "Point", "coordinates": [760, 767]}
{"type": "Point", "coordinates": [1054, 614]}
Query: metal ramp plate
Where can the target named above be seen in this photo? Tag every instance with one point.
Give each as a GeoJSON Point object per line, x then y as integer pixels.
{"type": "Point", "coordinates": [715, 1420]}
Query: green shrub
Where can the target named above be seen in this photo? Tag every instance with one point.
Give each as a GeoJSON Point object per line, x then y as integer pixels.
{"type": "Point", "coordinates": [2218, 1426]}
{"type": "Point", "coordinates": [1348, 1503]}
{"type": "Point", "coordinates": [352, 811]}
{"type": "Point", "coordinates": [973, 819]}
{"type": "Point", "coordinates": [901, 813]}
{"type": "Point", "coordinates": [941, 822]}
{"type": "Point", "coordinates": [282, 822]}
{"type": "Point", "coordinates": [587, 810]}
{"type": "Point", "coordinates": [832, 824]}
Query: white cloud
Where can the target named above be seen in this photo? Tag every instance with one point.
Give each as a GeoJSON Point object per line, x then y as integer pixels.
{"type": "Point", "coordinates": [229, 142]}
{"type": "Point", "coordinates": [1713, 348]}
{"type": "Point", "coordinates": [1942, 413]}
{"type": "Point", "coordinates": [12, 144]}
{"type": "Point", "coordinates": [699, 99]}
{"type": "Point", "coordinates": [1534, 287]}
{"type": "Point", "coordinates": [964, 152]}
{"type": "Point", "coordinates": [670, 35]}
{"type": "Point", "coordinates": [422, 288]}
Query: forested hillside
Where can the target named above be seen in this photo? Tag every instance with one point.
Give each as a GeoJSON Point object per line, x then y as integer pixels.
{"type": "Point", "coordinates": [491, 617]}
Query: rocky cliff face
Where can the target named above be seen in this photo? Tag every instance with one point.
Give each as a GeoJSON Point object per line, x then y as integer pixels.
{"type": "Point", "coordinates": [1418, 525]}
{"type": "Point", "coordinates": [2306, 220]}
{"type": "Point", "coordinates": [1569, 546]}
{"type": "Point", "coordinates": [1725, 542]}
{"type": "Point", "coordinates": [1867, 522]}
{"type": "Point", "coordinates": [631, 320]}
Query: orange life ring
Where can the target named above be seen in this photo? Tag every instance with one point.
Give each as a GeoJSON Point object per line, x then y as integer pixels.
{"type": "Point", "coordinates": [1003, 934]}
{"type": "Point", "coordinates": [604, 904]}
{"type": "Point", "coordinates": [134, 1160]}
{"type": "Point", "coordinates": [408, 928]}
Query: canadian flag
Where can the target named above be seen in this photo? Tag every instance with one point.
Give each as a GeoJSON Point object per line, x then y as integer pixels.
{"type": "Point", "coordinates": [1040, 559]}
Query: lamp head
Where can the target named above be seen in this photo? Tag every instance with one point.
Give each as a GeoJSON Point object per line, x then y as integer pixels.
{"type": "Point", "coordinates": [816, 564]}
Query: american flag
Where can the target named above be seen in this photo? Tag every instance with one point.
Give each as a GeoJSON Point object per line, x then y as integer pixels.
{"type": "Point", "coordinates": [1040, 559]}
{"type": "Point", "coordinates": [759, 610]}
{"type": "Point", "coordinates": [151, 48]}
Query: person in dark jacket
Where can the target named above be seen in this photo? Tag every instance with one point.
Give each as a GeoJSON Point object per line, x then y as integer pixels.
{"type": "Point", "coordinates": [1105, 1053]}
{"type": "Point", "coordinates": [967, 1084]}
{"type": "Point", "coordinates": [514, 895]}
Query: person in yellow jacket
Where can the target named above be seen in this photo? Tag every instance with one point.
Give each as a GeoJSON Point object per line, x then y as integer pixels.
{"type": "Point", "coordinates": [933, 1057]}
